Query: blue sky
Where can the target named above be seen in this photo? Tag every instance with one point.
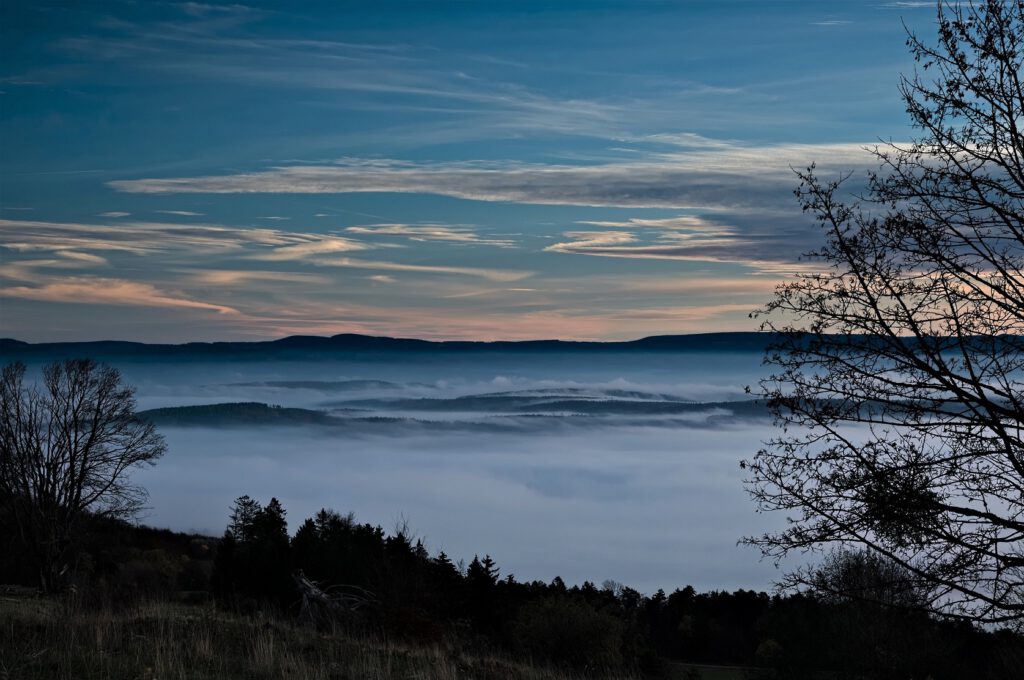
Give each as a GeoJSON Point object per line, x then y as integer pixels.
{"type": "Point", "coordinates": [594, 170]}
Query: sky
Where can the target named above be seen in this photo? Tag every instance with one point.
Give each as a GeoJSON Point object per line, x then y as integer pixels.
{"type": "Point", "coordinates": [177, 171]}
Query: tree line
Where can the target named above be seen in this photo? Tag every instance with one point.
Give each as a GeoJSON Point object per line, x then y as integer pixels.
{"type": "Point", "coordinates": [409, 593]}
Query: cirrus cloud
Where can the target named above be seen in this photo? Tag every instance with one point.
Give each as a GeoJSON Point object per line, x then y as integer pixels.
{"type": "Point", "coordinates": [725, 176]}
{"type": "Point", "coordinates": [143, 238]}
{"type": "Point", "coordinates": [489, 274]}
{"type": "Point", "coordinates": [430, 232]}
{"type": "Point", "coordinates": [759, 244]}
{"type": "Point", "coordinates": [105, 291]}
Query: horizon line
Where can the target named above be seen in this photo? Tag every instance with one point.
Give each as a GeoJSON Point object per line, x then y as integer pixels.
{"type": "Point", "coordinates": [382, 337]}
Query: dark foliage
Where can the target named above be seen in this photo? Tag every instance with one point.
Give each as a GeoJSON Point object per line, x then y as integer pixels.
{"type": "Point", "coordinates": [117, 562]}
{"type": "Point", "coordinates": [414, 596]}
{"type": "Point", "coordinates": [254, 559]}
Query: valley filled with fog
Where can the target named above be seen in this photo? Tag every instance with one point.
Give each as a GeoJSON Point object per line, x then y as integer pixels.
{"type": "Point", "coordinates": [584, 465]}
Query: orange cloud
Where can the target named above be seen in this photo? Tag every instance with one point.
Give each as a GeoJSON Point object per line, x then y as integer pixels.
{"type": "Point", "coordinates": [103, 291]}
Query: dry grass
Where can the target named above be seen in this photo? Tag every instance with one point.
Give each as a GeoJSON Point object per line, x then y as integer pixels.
{"type": "Point", "coordinates": [51, 640]}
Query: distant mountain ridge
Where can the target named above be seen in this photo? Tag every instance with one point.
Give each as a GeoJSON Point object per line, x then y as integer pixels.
{"type": "Point", "coordinates": [298, 345]}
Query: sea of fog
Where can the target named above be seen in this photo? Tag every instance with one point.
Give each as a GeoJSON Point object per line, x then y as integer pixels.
{"type": "Point", "coordinates": [587, 466]}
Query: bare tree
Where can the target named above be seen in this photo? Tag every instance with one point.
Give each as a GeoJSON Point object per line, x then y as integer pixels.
{"type": "Point", "coordinates": [67, 446]}
{"type": "Point", "coordinates": [899, 364]}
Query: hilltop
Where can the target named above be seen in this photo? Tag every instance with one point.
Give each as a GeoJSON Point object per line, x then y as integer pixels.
{"type": "Point", "coordinates": [348, 343]}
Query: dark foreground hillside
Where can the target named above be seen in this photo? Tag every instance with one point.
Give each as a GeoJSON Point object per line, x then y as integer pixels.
{"type": "Point", "coordinates": [146, 603]}
{"type": "Point", "coordinates": [50, 639]}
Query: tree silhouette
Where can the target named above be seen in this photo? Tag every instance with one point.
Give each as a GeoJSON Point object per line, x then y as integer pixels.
{"type": "Point", "coordinates": [254, 557]}
{"type": "Point", "coordinates": [244, 515]}
{"type": "Point", "coordinates": [899, 363]}
{"type": "Point", "coordinates": [67, 447]}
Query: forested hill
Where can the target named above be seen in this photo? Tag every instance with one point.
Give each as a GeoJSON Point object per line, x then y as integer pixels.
{"type": "Point", "coordinates": [304, 345]}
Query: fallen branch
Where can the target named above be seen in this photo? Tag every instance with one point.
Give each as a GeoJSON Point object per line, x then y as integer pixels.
{"type": "Point", "coordinates": [321, 607]}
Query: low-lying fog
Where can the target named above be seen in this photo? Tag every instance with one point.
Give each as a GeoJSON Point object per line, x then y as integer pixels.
{"type": "Point", "coordinates": [579, 466]}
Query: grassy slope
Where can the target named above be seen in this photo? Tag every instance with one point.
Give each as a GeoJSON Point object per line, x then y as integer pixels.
{"type": "Point", "coordinates": [47, 639]}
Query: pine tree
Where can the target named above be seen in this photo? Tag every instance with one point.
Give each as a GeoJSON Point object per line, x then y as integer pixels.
{"type": "Point", "coordinates": [244, 514]}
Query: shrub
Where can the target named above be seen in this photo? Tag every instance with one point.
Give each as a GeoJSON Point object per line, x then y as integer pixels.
{"type": "Point", "coordinates": [567, 631]}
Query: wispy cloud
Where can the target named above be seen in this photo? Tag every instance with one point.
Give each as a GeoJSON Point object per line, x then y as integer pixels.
{"type": "Point", "coordinates": [611, 245]}
{"type": "Point", "coordinates": [373, 76]}
{"type": "Point", "coordinates": [739, 197]}
{"type": "Point", "coordinates": [741, 253]}
{"type": "Point", "coordinates": [730, 177]}
{"type": "Point", "coordinates": [489, 274]}
{"type": "Point", "coordinates": [758, 244]}
{"type": "Point", "coordinates": [181, 213]}
{"type": "Point", "coordinates": [430, 232]}
{"type": "Point", "coordinates": [910, 4]}
{"type": "Point", "coordinates": [593, 242]}
{"type": "Point", "coordinates": [68, 262]}
{"type": "Point", "coordinates": [149, 237]}
{"type": "Point", "coordinates": [83, 258]}
{"type": "Point", "coordinates": [114, 213]}
{"type": "Point", "coordinates": [234, 277]}
{"type": "Point", "coordinates": [679, 226]}
{"type": "Point", "coordinates": [105, 291]}
{"type": "Point", "coordinates": [34, 269]}
{"type": "Point", "coordinates": [748, 286]}
{"type": "Point", "coordinates": [311, 247]}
